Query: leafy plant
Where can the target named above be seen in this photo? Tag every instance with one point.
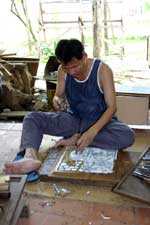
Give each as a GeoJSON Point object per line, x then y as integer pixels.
{"type": "Point", "coordinates": [147, 5]}
{"type": "Point", "coordinates": [47, 51]}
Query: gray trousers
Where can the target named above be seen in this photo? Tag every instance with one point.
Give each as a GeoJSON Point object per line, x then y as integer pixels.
{"type": "Point", "coordinates": [115, 135]}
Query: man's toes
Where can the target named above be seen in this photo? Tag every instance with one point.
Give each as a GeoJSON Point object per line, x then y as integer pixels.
{"type": "Point", "coordinates": [7, 171]}
{"type": "Point", "coordinates": [7, 165]}
{"type": "Point", "coordinates": [22, 166]}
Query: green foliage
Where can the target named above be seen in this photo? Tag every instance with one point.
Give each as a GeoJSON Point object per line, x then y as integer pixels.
{"type": "Point", "coordinates": [130, 39]}
{"type": "Point", "coordinates": [47, 51]}
{"type": "Point", "coordinates": [135, 38]}
{"type": "Point", "coordinates": [147, 5]}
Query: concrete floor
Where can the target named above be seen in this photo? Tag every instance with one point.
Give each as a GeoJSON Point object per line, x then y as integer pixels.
{"type": "Point", "coordinates": [46, 211]}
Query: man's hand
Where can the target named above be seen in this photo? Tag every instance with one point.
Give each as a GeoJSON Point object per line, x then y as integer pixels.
{"type": "Point", "coordinates": [85, 139]}
{"type": "Point", "coordinates": [71, 141]}
{"type": "Point", "coordinates": [59, 103]}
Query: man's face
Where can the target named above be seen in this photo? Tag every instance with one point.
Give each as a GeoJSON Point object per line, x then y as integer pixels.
{"type": "Point", "coordinates": [74, 68]}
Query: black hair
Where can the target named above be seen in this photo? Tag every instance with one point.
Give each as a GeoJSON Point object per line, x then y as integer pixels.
{"type": "Point", "coordinates": [66, 49]}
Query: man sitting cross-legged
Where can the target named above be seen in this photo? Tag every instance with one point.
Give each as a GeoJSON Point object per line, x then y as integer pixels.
{"type": "Point", "coordinates": [85, 104]}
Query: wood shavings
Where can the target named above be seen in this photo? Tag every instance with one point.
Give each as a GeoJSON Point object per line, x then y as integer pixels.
{"type": "Point", "coordinates": [45, 203]}
{"type": "Point", "coordinates": [105, 217]}
{"type": "Point", "coordinates": [60, 191]}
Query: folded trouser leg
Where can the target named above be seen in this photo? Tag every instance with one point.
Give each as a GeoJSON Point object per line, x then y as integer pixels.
{"type": "Point", "coordinates": [116, 135]}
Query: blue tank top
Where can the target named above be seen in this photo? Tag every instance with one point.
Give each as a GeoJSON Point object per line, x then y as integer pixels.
{"type": "Point", "coordinates": [84, 97]}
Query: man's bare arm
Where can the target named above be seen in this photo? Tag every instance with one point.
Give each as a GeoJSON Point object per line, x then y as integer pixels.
{"type": "Point", "coordinates": [107, 86]}
{"type": "Point", "coordinates": [59, 98]}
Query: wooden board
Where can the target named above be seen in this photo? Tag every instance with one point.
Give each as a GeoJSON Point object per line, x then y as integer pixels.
{"type": "Point", "coordinates": [12, 207]}
{"type": "Point", "coordinates": [133, 186]}
{"type": "Point", "coordinates": [125, 160]}
{"type": "Point", "coordinates": [140, 127]}
{"type": "Point", "coordinates": [13, 114]}
{"type": "Point", "coordinates": [132, 90]}
{"type": "Point", "coordinates": [133, 110]}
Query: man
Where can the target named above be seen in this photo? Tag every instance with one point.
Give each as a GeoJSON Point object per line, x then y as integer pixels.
{"type": "Point", "coordinates": [86, 86]}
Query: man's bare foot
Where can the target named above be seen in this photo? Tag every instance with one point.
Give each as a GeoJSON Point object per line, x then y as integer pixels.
{"type": "Point", "coordinates": [22, 166]}
{"type": "Point", "coordinates": [29, 163]}
{"type": "Point", "coordinates": [68, 141]}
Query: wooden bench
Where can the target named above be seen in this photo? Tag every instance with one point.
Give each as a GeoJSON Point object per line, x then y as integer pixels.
{"type": "Point", "coordinates": [15, 206]}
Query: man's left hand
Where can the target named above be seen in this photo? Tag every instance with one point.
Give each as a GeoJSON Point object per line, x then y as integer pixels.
{"type": "Point", "coordinates": [85, 139]}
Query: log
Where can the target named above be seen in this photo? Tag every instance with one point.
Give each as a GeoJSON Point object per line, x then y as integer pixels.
{"type": "Point", "coordinates": [15, 99]}
{"type": "Point", "coordinates": [16, 86]}
{"type": "Point", "coordinates": [27, 78]}
{"type": "Point", "coordinates": [5, 72]}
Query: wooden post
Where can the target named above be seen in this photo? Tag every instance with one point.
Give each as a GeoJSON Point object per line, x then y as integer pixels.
{"type": "Point", "coordinates": [81, 29]}
{"type": "Point", "coordinates": [105, 28]}
{"type": "Point", "coordinates": [148, 50]}
{"type": "Point", "coordinates": [42, 21]}
{"type": "Point", "coordinates": [97, 29]}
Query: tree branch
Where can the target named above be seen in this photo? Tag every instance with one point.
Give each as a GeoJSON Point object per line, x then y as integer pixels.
{"type": "Point", "coordinates": [16, 12]}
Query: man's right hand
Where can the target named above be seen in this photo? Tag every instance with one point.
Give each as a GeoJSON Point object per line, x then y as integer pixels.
{"type": "Point", "coordinates": [59, 103]}
{"type": "Point", "coordinates": [71, 141]}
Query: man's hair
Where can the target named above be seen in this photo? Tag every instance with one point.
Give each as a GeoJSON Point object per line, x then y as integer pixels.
{"type": "Point", "coordinates": [66, 49]}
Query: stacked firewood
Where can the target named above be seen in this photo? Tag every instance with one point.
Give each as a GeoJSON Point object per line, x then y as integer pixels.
{"type": "Point", "coordinates": [15, 85]}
